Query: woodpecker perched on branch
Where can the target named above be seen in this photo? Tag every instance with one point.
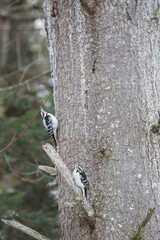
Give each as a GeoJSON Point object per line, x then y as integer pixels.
{"type": "Point", "coordinates": [51, 124]}
{"type": "Point", "coordinates": [81, 180]}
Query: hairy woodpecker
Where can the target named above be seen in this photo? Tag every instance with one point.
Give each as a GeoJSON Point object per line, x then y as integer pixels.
{"type": "Point", "coordinates": [51, 124]}
{"type": "Point", "coordinates": [81, 180]}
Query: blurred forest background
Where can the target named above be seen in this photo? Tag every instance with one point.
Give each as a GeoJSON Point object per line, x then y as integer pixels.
{"type": "Point", "coordinates": [26, 194]}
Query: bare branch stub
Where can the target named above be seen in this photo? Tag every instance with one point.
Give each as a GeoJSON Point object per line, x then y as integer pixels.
{"type": "Point", "coordinates": [66, 173]}
{"type": "Point", "coordinates": [89, 5]}
{"type": "Point", "coordinates": [22, 84]}
{"type": "Point", "coordinates": [143, 224]}
{"type": "Point", "coordinates": [25, 229]}
{"type": "Point", "coordinates": [47, 169]}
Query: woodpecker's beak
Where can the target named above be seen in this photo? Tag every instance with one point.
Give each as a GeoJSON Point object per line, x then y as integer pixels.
{"type": "Point", "coordinates": [41, 109]}
{"type": "Point", "coordinates": [42, 112]}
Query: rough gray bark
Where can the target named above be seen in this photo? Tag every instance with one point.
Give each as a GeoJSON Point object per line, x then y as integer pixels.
{"type": "Point", "coordinates": [105, 70]}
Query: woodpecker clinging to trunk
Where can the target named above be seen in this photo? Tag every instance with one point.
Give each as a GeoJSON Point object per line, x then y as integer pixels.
{"type": "Point", "coordinates": [81, 180]}
{"type": "Point", "coordinates": [51, 124]}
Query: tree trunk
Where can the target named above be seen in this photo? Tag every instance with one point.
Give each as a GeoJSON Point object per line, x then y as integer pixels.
{"type": "Point", "coordinates": [104, 65]}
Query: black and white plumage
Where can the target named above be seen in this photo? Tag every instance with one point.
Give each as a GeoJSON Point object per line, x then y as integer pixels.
{"type": "Point", "coordinates": [81, 180]}
{"type": "Point", "coordinates": [51, 124]}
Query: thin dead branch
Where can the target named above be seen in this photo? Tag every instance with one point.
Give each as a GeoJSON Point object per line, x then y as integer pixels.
{"type": "Point", "coordinates": [22, 84]}
{"type": "Point", "coordinates": [5, 42]}
{"type": "Point", "coordinates": [66, 173]}
{"type": "Point", "coordinates": [47, 169]}
{"type": "Point", "coordinates": [13, 140]}
{"type": "Point", "coordinates": [23, 175]}
{"type": "Point", "coordinates": [23, 228]}
{"type": "Point", "coordinates": [26, 69]}
{"type": "Point", "coordinates": [156, 12]}
{"type": "Point", "coordinates": [138, 235]}
{"type": "Point", "coordinates": [11, 74]}
{"type": "Point", "coordinates": [18, 51]}
{"type": "Point", "coordinates": [16, 136]}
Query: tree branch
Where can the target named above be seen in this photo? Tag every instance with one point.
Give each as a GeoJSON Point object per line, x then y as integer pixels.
{"type": "Point", "coordinates": [22, 84]}
{"type": "Point", "coordinates": [27, 68]}
{"type": "Point", "coordinates": [66, 173]}
{"type": "Point", "coordinates": [21, 175]}
{"type": "Point", "coordinates": [156, 12]}
{"type": "Point", "coordinates": [143, 224]}
{"type": "Point", "coordinates": [25, 229]}
{"type": "Point", "coordinates": [16, 136]}
{"type": "Point", "coordinates": [47, 169]}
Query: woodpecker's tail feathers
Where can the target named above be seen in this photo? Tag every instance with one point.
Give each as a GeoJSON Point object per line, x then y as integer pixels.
{"type": "Point", "coordinates": [55, 141]}
{"type": "Point", "coordinates": [85, 192]}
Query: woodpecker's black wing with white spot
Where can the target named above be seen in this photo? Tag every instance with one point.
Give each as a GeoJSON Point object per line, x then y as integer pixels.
{"type": "Point", "coordinates": [81, 179]}
{"type": "Point", "coordinates": [51, 124]}
{"type": "Point", "coordinates": [48, 124]}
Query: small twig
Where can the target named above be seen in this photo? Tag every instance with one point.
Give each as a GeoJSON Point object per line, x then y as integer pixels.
{"type": "Point", "coordinates": [17, 172]}
{"type": "Point", "coordinates": [30, 180]}
{"type": "Point", "coordinates": [21, 84]}
{"type": "Point", "coordinates": [47, 169]}
{"type": "Point", "coordinates": [26, 69]}
{"type": "Point", "coordinates": [25, 229]}
{"type": "Point", "coordinates": [18, 51]}
{"type": "Point", "coordinates": [13, 140]}
{"type": "Point", "coordinates": [16, 137]}
{"type": "Point", "coordinates": [143, 224]}
{"type": "Point", "coordinates": [21, 175]}
{"type": "Point", "coordinates": [11, 74]}
{"type": "Point", "coordinates": [66, 173]}
{"type": "Point", "coordinates": [156, 13]}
